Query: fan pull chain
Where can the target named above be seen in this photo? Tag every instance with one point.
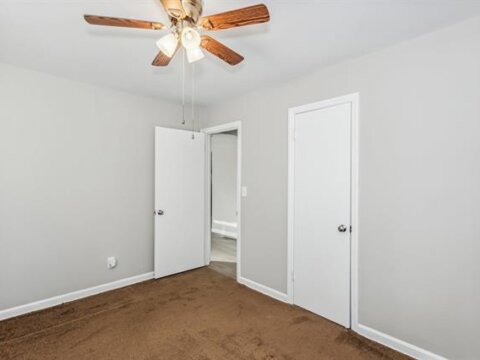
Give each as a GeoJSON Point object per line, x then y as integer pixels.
{"type": "Point", "coordinates": [193, 101]}
{"type": "Point", "coordinates": [183, 86]}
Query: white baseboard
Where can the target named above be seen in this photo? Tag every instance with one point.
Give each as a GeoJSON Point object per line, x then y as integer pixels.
{"type": "Point", "coordinates": [263, 289]}
{"type": "Point", "coordinates": [225, 233]}
{"type": "Point", "coordinates": [232, 225]}
{"type": "Point", "coordinates": [396, 344]}
{"type": "Point", "coordinates": [60, 299]}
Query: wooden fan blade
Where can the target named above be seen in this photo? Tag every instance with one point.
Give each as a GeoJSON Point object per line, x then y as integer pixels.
{"type": "Point", "coordinates": [220, 50]}
{"type": "Point", "coordinates": [163, 60]}
{"type": "Point", "coordinates": [174, 8]}
{"type": "Point", "coordinates": [251, 15]}
{"type": "Point", "coordinates": [130, 23]}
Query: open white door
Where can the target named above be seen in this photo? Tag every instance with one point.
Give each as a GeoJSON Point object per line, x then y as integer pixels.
{"type": "Point", "coordinates": [179, 201]}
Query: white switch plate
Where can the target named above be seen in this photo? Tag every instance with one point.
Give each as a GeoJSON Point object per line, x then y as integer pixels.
{"type": "Point", "coordinates": [244, 191]}
{"type": "Point", "coordinates": [111, 262]}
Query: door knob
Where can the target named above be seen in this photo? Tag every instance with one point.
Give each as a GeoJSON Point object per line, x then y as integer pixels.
{"type": "Point", "coordinates": [342, 228]}
{"type": "Point", "coordinates": [160, 212]}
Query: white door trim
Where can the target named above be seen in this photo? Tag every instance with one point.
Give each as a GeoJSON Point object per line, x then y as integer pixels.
{"type": "Point", "coordinates": [353, 99]}
{"type": "Point", "coordinates": [237, 125]}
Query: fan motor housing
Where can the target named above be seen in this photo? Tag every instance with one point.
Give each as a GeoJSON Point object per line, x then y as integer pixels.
{"type": "Point", "coordinates": [189, 10]}
{"type": "Point", "coordinates": [193, 9]}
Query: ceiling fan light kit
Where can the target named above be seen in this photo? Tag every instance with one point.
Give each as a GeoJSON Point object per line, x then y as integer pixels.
{"type": "Point", "coordinates": [168, 44]}
{"type": "Point", "coordinates": [194, 54]}
{"type": "Point", "coordinates": [186, 21]}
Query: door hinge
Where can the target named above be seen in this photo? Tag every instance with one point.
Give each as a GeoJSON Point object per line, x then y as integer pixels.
{"type": "Point", "coordinates": [293, 276]}
{"type": "Point", "coordinates": [351, 229]}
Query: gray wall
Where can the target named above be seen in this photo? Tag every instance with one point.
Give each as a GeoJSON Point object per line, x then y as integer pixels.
{"type": "Point", "coordinates": [419, 184]}
{"type": "Point", "coordinates": [224, 182]}
{"type": "Point", "coordinates": [76, 184]}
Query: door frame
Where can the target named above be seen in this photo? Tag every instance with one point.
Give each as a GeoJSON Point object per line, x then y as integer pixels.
{"type": "Point", "coordinates": [237, 125]}
{"type": "Point", "coordinates": [353, 99]}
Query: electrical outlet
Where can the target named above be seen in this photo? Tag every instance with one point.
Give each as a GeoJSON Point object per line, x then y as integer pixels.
{"type": "Point", "coordinates": [111, 262]}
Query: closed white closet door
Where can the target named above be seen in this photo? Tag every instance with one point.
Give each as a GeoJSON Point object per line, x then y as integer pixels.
{"type": "Point", "coordinates": [322, 187]}
{"type": "Point", "coordinates": [179, 201]}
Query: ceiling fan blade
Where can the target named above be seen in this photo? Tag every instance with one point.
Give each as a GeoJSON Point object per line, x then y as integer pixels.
{"type": "Point", "coordinates": [174, 8]}
{"type": "Point", "coordinates": [220, 50]}
{"type": "Point", "coordinates": [163, 60]}
{"type": "Point", "coordinates": [251, 15]}
{"type": "Point", "coordinates": [121, 22]}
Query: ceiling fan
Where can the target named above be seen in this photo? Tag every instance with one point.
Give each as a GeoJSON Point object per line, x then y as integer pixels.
{"type": "Point", "coordinates": [186, 22]}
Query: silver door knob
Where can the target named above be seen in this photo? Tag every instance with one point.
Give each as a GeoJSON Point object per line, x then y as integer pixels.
{"type": "Point", "coordinates": [342, 228]}
{"type": "Point", "coordinates": [160, 212]}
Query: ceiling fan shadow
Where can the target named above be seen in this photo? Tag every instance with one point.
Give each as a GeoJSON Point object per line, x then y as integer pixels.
{"type": "Point", "coordinates": [124, 33]}
{"type": "Point", "coordinates": [243, 32]}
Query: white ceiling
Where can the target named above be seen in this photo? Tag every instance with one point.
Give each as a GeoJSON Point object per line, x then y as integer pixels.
{"type": "Point", "coordinates": [51, 36]}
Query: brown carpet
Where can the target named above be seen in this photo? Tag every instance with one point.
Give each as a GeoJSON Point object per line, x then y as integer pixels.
{"type": "Point", "coordinates": [197, 315]}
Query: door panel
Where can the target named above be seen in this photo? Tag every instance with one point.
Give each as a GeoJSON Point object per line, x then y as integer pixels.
{"type": "Point", "coordinates": [180, 194]}
{"type": "Point", "coordinates": [322, 186]}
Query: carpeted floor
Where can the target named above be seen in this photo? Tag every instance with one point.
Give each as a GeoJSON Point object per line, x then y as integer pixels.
{"type": "Point", "coordinates": [197, 315]}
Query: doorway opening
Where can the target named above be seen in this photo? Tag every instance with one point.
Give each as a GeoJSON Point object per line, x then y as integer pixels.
{"type": "Point", "coordinates": [223, 199]}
